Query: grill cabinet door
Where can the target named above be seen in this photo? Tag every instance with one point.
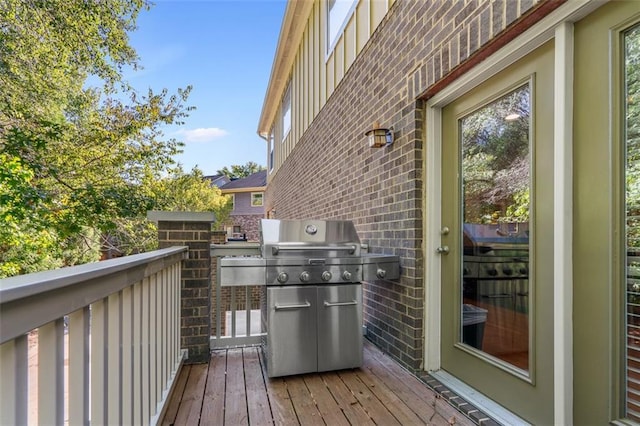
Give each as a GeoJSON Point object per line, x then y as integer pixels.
{"type": "Point", "coordinates": [339, 327]}
{"type": "Point", "coordinates": [291, 339]}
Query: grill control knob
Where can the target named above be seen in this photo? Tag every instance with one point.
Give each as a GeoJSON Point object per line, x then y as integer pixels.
{"type": "Point", "coordinates": [524, 270]}
{"type": "Point", "coordinates": [326, 276]}
{"type": "Point", "coordinates": [346, 275]}
{"type": "Point", "coordinates": [381, 273]}
{"type": "Point", "coordinates": [492, 272]}
{"type": "Point", "coordinates": [305, 276]}
{"type": "Point", "coordinates": [283, 277]}
{"type": "Point", "coordinates": [507, 270]}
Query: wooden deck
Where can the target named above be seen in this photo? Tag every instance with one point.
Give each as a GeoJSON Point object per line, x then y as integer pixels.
{"type": "Point", "coordinates": [233, 389]}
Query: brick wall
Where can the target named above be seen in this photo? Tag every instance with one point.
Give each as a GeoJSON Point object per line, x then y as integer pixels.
{"type": "Point", "coordinates": [194, 231]}
{"type": "Point", "coordinates": [249, 224]}
{"type": "Point", "coordinates": [331, 173]}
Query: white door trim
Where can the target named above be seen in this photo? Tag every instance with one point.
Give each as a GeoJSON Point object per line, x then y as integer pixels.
{"type": "Point", "coordinates": [563, 226]}
{"type": "Point", "coordinates": [558, 25]}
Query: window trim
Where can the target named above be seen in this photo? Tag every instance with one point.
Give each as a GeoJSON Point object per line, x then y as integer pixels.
{"type": "Point", "coordinates": [331, 43]}
{"type": "Point", "coordinates": [233, 201]}
{"type": "Point", "coordinates": [261, 199]}
{"type": "Point", "coordinates": [271, 149]}
{"type": "Point", "coordinates": [286, 112]}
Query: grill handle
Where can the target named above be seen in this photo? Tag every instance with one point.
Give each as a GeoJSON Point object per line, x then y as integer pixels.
{"type": "Point", "coordinates": [353, 302]}
{"type": "Point", "coordinates": [276, 249]}
{"type": "Point", "coordinates": [285, 307]}
{"type": "Point", "coordinates": [497, 296]}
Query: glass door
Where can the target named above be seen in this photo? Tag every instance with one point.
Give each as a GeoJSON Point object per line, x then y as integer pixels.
{"type": "Point", "coordinates": [497, 237]}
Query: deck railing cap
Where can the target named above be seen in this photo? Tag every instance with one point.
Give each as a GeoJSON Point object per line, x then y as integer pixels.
{"type": "Point", "coordinates": [163, 216]}
{"type": "Point", "coordinates": [30, 284]}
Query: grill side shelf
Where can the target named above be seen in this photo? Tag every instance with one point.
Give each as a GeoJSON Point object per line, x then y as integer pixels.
{"type": "Point", "coordinates": [242, 271]}
{"type": "Point", "coordinates": [380, 266]}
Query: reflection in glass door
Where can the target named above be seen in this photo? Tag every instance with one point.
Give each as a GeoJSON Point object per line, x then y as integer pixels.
{"type": "Point", "coordinates": [495, 178]}
{"type": "Point", "coordinates": [632, 179]}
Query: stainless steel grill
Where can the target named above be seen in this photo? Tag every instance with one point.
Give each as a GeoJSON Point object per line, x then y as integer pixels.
{"type": "Point", "coordinates": [495, 273]}
{"type": "Point", "coordinates": [311, 272]}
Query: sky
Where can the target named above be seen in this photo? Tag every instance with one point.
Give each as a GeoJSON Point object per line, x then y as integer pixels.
{"type": "Point", "coordinates": [225, 50]}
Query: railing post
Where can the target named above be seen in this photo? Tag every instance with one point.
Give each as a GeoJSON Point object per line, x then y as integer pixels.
{"type": "Point", "coordinates": [217, 314]}
{"type": "Point", "coordinates": [191, 229]}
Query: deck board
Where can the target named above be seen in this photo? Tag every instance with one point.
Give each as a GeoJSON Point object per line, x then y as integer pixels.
{"type": "Point", "coordinates": [235, 412]}
{"type": "Point", "coordinates": [191, 404]}
{"type": "Point", "coordinates": [213, 402]}
{"type": "Point", "coordinates": [174, 404]}
{"type": "Point", "coordinates": [257, 399]}
{"type": "Point", "coordinates": [353, 411]}
{"type": "Point", "coordinates": [281, 406]}
{"type": "Point", "coordinates": [378, 412]}
{"type": "Point", "coordinates": [233, 389]}
{"type": "Point", "coordinates": [303, 403]}
{"type": "Point", "coordinates": [326, 403]}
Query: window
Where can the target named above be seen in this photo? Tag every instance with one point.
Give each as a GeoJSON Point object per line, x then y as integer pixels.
{"type": "Point", "coordinates": [286, 113]}
{"type": "Point", "coordinates": [338, 13]}
{"type": "Point", "coordinates": [231, 200]}
{"type": "Point", "coordinates": [631, 117]}
{"type": "Point", "coordinates": [271, 140]}
{"type": "Point", "coordinates": [256, 199]}
{"type": "Point", "coordinates": [495, 183]}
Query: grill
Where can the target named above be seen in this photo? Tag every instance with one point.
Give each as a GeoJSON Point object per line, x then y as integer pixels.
{"type": "Point", "coordinates": [495, 273]}
{"type": "Point", "coordinates": [311, 273]}
{"type": "Point", "coordinates": [495, 252]}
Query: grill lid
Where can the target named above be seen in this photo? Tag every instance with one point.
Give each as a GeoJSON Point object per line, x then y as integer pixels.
{"type": "Point", "coordinates": [308, 238]}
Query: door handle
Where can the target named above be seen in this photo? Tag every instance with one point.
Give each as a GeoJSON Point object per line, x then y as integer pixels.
{"type": "Point", "coordinates": [442, 250]}
{"type": "Point", "coordinates": [353, 302]}
{"type": "Point", "coordinates": [283, 307]}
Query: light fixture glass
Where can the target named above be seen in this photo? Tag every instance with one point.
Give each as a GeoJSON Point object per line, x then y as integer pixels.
{"type": "Point", "coordinates": [379, 136]}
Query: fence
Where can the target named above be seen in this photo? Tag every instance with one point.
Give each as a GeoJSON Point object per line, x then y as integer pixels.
{"type": "Point", "coordinates": [107, 337]}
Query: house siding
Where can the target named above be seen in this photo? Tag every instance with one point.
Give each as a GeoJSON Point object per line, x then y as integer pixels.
{"type": "Point", "coordinates": [242, 205]}
{"type": "Point", "coordinates": [330, 173]}
{"type": "Point", "coordinates": [316, 73]}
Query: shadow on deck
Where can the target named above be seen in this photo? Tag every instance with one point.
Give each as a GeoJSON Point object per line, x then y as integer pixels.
{"type": "Point", "coordinates": [233, 389]}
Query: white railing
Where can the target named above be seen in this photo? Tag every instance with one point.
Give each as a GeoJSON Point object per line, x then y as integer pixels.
{"type": "Point", "coordinates": [91, 344]}
{"type": "Point", "coordinates": [237, 319]}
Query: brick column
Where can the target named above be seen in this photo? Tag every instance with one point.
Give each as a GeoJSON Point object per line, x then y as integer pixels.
{"type": "Point", "coordinates": [191, 229]}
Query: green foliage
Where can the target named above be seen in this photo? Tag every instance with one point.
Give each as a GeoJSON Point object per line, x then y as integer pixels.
{"type": "Point", "coordinates": [632, 130]}
{"type": "Point", "coordinates": [495, 160]}
{"type": "Point", "coordinates": [179, 191]}
{"type": "Point", "coordinates": [80, 165]}
{"type": "Point", "coordinates": [241, 171]}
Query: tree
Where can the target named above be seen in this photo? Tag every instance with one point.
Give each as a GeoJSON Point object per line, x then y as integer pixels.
{"type": "Point", "coordinates": [179, 191]}
{"type": "Point", "coordinates": [237, 171]}
{"type": "Point", "coordinates": [495, 160]}
{"type": "Point", "coordinates": [632, 134]}
{"type": "Point", "coordinates": [74, 160]}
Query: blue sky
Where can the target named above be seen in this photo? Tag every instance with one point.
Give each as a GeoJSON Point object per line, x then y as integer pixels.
{"type": "Point", "coordinates": [224, 49]}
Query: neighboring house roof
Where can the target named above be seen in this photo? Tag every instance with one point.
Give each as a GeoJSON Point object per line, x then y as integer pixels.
{"type": "Point", "coordinates": [255, 182]}
{"type": "Point", "coordinates": [218, 180]}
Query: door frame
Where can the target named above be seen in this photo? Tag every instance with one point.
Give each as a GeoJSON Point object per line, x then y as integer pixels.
{"type": "Point", "coordinates": [557, 25]}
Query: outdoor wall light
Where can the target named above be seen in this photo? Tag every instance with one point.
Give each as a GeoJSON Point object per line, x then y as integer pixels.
{"type": "Point", "coordinates": [379, 136]}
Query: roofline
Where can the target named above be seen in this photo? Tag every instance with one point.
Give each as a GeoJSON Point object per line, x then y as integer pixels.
{"type": "Point", "coordinates": [291, 33]}
{"type": "Point", "coordinates": [248, 189]}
